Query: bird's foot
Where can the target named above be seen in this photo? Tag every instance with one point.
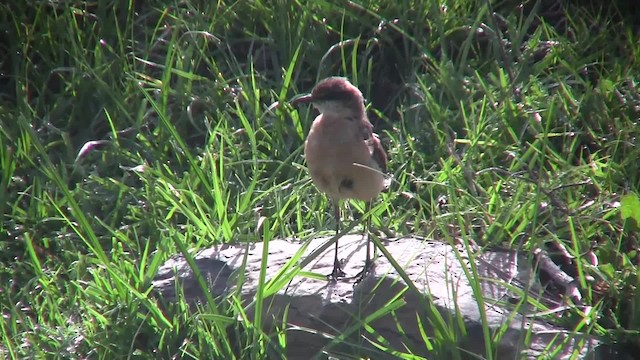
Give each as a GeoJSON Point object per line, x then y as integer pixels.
{"type": "Point", "coordinates": [337, 272]}
{"type": "Point", "coordinates": [368, 267]}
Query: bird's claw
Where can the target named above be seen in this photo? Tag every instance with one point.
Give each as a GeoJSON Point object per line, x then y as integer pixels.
{"type": "Point", "coordinates": [337, 272]}
{"type": "Point", "coordinates": [368, 267]}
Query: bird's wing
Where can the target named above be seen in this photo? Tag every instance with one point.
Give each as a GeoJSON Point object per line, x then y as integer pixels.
{"type": "Point", "coordinates": [373, 143]}
{"type": "Point", "coordinates": [377, 152]}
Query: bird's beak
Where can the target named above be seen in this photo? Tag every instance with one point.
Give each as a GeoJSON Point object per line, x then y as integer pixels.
{"type": "Point", "coordinates": [295, 101]}
{"type": "Point", "coordinates": [301, 99]}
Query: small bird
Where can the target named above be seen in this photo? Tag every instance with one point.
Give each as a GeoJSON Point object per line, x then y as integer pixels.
{"type": "Point", "coordinates": [344, 156]}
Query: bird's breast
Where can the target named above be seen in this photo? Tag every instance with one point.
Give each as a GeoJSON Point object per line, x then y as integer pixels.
{"type": "Point", "coordinates": [341, 164]}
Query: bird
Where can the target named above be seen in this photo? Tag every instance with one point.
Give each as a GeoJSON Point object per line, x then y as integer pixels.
{"type": "Point", "coordinates": [345, 158]}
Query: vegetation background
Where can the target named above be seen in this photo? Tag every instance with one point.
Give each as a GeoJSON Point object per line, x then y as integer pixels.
{"type": "Point", "coordinates": [135, 130]}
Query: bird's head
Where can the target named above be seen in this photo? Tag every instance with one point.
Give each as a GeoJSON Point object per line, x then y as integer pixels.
{"type": "Point", "coordinates": [334, 95]}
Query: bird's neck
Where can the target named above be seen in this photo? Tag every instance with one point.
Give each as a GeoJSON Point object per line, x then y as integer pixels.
{"type": "Point", "coordinates": [340, 110]}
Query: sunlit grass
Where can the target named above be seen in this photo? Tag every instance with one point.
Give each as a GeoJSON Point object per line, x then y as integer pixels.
{"type": "Point", "coordinates": [522, 134]}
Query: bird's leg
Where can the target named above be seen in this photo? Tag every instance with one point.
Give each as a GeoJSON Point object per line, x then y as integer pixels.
{"type": "Point", "coordinates": [337, 267]}
{"type": "Point", "coordinates": [368, 263]}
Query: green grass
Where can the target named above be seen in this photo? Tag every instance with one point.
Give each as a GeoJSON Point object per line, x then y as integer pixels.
{"type": "Point", "coordinates": [523, 134]}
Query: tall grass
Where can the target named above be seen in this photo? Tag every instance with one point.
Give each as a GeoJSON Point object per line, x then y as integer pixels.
{"type": "Point", "coordinates": [132, 131]}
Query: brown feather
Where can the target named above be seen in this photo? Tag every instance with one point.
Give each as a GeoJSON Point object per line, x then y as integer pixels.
{"type": "Point", "coordinates": [377, 152]}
